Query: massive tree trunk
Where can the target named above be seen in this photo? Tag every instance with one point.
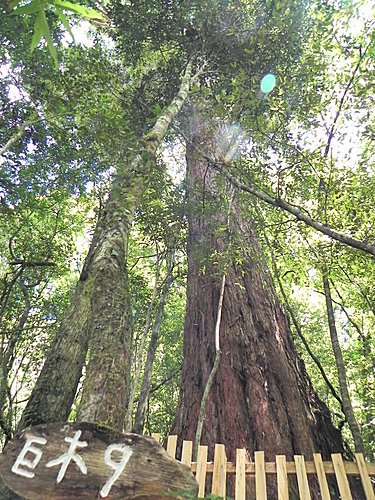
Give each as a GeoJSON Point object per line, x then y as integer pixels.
{"type": "Point", "coordinates": [261, 398]}
{"type": "Point", "coordinates": [98, 319]}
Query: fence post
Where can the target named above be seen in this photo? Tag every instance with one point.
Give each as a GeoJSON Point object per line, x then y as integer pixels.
{"type": "Point", "coordinates": [260, 476]}
{"type": "Point", "coordinates": [201, 469]}
{"type": "Point", "coordinates": [282, 478]}
{"type": "Point", "coordinates": [219, 475]}
{"type": "Point", "coordinates": [240, 493]}
{"type": "Point", "coordinates": [171, 446]}
{"type": "Point", "coordinates": [363, 472]}
{"type": "Point", "coordinates": [303, 484]}
{"type": "Point", "coordinates": [187, 451]}
{"type": "Point", "coordinates": [322, 479]}
{"type": "Point", "coordinates": [342, 480]}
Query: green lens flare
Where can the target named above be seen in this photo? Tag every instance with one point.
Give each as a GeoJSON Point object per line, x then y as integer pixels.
{"type": "Point", "coordinates": [268, 83]}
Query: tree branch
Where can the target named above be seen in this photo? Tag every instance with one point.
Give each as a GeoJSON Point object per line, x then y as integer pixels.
{"type": "Point", "coordinates": [18, 134]}
{"type": "Point", "coordinates": [299, 330]}
{"type": "Point", "coordinates": [295, 211]}
{"type": "Point", "coordinates": [341, 104]}
{"type": "Point", "coordinates": [277, 202]}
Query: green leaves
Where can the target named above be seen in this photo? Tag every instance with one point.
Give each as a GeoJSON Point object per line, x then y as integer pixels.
{"type": "Point", "coordinates": [41, 27]}
{"type": "Point", "coordinates": [30, 8]}
{"type": "Point", "coordinates": [81, 10]}
{"type": "Point", "coordinates": [64, 21]}
{"type": "Point", "coordinates": [38, 31]}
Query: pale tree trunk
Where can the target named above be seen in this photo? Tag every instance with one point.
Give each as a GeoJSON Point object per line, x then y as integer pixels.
{"type": "Point", "coordinates": [367, 367]}
{"type": "Point", "coordinates": [261, 398]}
{"type": "Point", "coordinates": [98, 320]}
{"type": "Point", "coordinates": [341, 371]}
{"type": "Point", "coordinates": [146, 382]}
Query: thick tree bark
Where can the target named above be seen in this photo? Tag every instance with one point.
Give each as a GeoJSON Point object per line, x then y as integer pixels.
{"type": "Point", "coordinates": [261, 398]}
{"type": "Point", "coordinates": [99, 309]}
{"type": "Point", "coordinates": [341, 371]}
{"type": "Point", "coordinates": [98, 319]}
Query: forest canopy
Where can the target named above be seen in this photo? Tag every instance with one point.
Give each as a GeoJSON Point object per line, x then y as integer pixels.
{"type": "Point", "coordinates": [101, 104]}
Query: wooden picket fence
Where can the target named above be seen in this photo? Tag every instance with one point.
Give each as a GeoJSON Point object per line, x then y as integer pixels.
{"type": "Point", "coordinates": [220, 469]}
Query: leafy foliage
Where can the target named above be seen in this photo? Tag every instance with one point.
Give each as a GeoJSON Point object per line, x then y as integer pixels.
{"type": "Point", "coordinates": [41, 26]}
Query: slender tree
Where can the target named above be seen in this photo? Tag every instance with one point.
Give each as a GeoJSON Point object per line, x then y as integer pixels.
{"type": "Point", "coordinates": [341, 371]}
{"type": "Point", "coordinates": [151, 350]}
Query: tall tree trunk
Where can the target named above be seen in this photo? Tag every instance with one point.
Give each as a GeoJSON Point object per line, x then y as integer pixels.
{"type": "Point", "coordinates": [261, 398]}
{"type": "Point", "coordinates": [99, 309]}
{"type": "Point", "coordinates": [146, 382]}
{"type": "Point", "coordinates": [98, 318]}
{"type": "Point", "coordinates": [344, 391]}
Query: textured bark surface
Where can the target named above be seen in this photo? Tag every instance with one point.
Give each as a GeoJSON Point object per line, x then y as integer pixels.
{"type": "Point", "coordinates": [56, 386]}
{"type": "Point", "coordinates": [107, 374]}
{"type": "Point", "coordinates": [261, 398]}
{"type": "Point", "coordinates": [98, 320]}
{"type": "Point", "coordinates": [99, 313]}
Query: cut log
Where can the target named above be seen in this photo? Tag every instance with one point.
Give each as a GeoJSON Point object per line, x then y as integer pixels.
{"type": "Point", "coordinates": [83, 460]}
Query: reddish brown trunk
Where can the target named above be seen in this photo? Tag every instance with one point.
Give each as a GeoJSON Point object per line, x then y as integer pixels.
{"type": "Point", "coordinates": [261, 398]}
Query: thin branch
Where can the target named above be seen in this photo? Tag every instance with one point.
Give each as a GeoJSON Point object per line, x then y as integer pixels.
{"type": "Point", "coordinates": [4, 427]}
{"type": "Point", "coordinates": [153, 344]}
{"type": "Point", "coordinates": [18, 134]}
{"type": "Point", "coordinates": [156, 387]}
{"type": "Point", "coordinates": [363, 294]}
{"type": "Point", "coordinates": [7, 292]}
{"type": "Point", "coordinates": [211, 377]}
{"type": "Point", "coordinates": [343, 308]}
{"type": "Point", "coordinates": [298, 327]}
{"type": "Point", "coordinates": [299, 213]}
{"type": "Point", "coordinates": [138, 363]}
{"type": "Point", "coordinates": [31, 263]}
{"type": "Point", "coordinates": [341, 104]}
